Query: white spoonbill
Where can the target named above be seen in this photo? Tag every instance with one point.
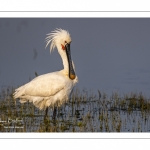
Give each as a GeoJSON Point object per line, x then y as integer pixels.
{"type": "Point", "coordinates": [52, 89]}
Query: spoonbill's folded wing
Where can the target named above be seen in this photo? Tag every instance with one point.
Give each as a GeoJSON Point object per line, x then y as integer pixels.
{"type": "Point", "coordinates": [44, 86]}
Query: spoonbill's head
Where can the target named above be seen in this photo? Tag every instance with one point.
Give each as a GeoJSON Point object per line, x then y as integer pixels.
{"type": "Point", "coordinates": [58, 38]}
{"type": "Point", "coordinates": [61, 39]}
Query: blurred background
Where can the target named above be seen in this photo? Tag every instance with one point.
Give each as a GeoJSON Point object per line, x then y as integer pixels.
{"type": "Point", "coordinates": [110, 54]}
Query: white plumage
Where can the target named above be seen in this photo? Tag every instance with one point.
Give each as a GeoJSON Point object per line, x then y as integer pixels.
{"type": "Point", "coordinates": [53, 88]}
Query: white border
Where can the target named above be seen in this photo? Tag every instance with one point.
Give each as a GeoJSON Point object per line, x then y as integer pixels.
{"type": "Point", "coordinates": [74, 5]}
{"type": "Point", "coordinates": [74, 14]}
{"type": "Point", "coordinates": [81, 135]}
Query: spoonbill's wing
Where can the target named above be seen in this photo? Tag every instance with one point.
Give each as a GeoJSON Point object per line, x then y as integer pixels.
{"type": "Point", "coordinates": [44, 86]}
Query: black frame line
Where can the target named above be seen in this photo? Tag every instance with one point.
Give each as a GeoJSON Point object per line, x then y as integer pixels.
{"type": "Point", "coordinates": [79, 138]}
{"type": "Point", "coordinates": [78, 11]}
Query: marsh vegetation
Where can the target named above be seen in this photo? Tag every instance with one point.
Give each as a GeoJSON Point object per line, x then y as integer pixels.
{"type": "Point", "coordinates": [85, 111]}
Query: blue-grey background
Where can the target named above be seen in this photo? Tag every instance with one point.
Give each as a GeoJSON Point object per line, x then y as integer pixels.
{"type": "Point", "coordinates": [110, 54]}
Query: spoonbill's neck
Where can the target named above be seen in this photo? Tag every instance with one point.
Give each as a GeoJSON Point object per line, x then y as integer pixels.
{"type": "Point", "coordinates": [64, 60]}
{"type": "Point", "coordinates": [65, 64]}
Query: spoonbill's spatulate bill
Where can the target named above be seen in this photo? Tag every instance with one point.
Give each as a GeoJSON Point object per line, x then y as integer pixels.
{"type": "Point", "coordinates": [51, 89]}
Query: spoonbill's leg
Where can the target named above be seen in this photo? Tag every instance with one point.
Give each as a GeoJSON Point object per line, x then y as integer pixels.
{"type": "Point", "coordinates": [54, 113]}
{"type": "Point", "coordinates": [46, 112]}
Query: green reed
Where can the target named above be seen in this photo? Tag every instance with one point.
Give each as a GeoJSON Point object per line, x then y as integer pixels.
{"type": "Point", "coordinates": [85, 111]}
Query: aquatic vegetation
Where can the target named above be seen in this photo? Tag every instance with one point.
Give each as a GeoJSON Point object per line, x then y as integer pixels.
{"type": "Point", "coordinates": [85, 111]}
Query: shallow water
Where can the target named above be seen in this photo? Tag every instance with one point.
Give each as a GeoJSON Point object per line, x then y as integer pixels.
{"type": "Point", "coordinates": [84, 112]}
